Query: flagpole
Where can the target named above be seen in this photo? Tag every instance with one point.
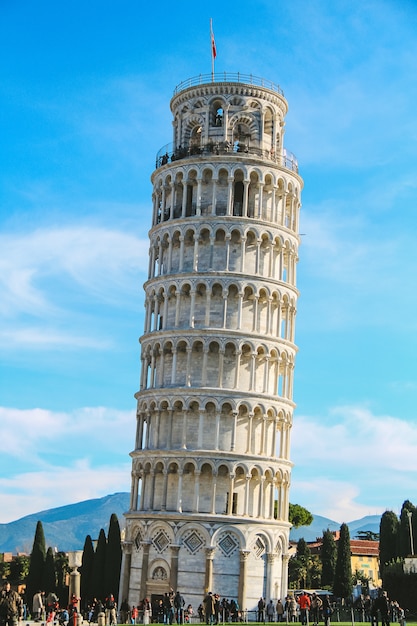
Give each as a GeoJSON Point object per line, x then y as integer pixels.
{"type": "Point", "coordinates": [213, 50]}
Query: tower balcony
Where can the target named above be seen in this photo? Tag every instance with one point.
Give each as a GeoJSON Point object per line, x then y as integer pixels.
{"type": "Point", "coordinates": [228, 77]}
{"type": "Point", "coordinates": [171, 153]}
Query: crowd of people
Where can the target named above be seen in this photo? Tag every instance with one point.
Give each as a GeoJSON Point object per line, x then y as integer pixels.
{"type": "Point", "coordinates": [305, 608]}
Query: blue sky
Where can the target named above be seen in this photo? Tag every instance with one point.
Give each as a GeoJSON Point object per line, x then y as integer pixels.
{"type": "Point", "coordinates": [84, 94]}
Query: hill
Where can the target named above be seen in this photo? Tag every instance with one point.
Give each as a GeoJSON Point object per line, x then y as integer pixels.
{"type": "Point", "coordinates": [66, 527]}
{"type": "Point", "coordinates": [320, 524]}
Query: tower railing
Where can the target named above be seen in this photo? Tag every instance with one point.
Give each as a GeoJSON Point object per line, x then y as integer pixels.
{"type": "Point", "coordinates": [227, 77]}
{"type": "Point", "coordinates": [169, 153]}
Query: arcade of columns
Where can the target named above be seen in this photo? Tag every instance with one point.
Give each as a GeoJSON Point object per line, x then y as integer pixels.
{"type": "Point", "coordinates": [211, 465]}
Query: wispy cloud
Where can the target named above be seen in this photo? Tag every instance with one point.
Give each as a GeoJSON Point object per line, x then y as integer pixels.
{"type": "Point", "coordinates": [45, 276]}
{"type": "Point", "coordinates": [85, 452]}
{"type": "Point", "coordinates": [30, 492]}
{"type": "Point", "coordinates": [97, 431]}
{"type": "Point", "coordinates": [351, 441]}
{"type": "Point", "coordinates": [345, 261]}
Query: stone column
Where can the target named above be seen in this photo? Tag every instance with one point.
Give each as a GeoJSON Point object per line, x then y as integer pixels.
{"type": "Point", "coordinates": [284, 575]}
{"type": "Point", "coordinates": [214, 196]}
{"type": "Point", "coordinates": [125, 570]}
{"type": "Point", "coordinates": [179, 491]}
{"type": "Point", "coordinates": [148, 430]}
{"type": "Point", "coordinates": [244, 557]}
{"type": "Point", "coordinates": [192, 307]}
{"type": "Point", "coordinates": [245, 198]}
{"type": "Point", "coordinates": [208, 581]}
{"type": "Point", "coordinates": [169, 268]}
{"type": "Point", "coordinates": [195, 253]}
{"type": "Point", "coordinates": [270, 558]}
{"type": "Point", "coordinates": [173, 198]}
{"type": "Point", "coordinates": [260, 200]}
{"type": "Point", "coordinates": [247, 481]}
{"type": "Point", "coordinates": [165, 490]}
{"type": "Point", "coordinates": [196, 502]}
{"type": "Point", "coordinates": [181, 262]}
{"type": "Point", "coordinates": [174, 566]}
{"type": "Point", "coordinates": [242, 255]}
{"type": "Point", "coordinates": [229, 209]}
{"type": "Point", "coordinates": [142, 492]}
{"type": "Point", "coordinates": [139, 432]}
{"type": "Point", "coordinates": [198, 204]}
{"type": "Point", "coordinates": [233, 441]}
{"type": "Point", "coordinates": [230, 500]}
{"type": "Point", "coordinates": [135, 486]}
{"type": "Point", "coordinates": [184, 199]}
{"type": "Point", "coordinates": [144, 573]}
{"type": "Point", "coordinates": [152, 495]}
{"type": "Point", "coordinates": [249, 439]}
{"type": "Point", "coordinates": [261, 497]}
{"type": "Point", "coordinates": [213, 493]}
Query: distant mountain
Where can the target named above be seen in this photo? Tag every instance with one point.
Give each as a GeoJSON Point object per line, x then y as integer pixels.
{"type": "Point", "coordinates": [66, 527]}
{"type": "Point", "coordinates": [370, 522]}
{"type": "Point", "coordinates": [315, 530]}
{"type": "Point", "coordinates": [320, 524]}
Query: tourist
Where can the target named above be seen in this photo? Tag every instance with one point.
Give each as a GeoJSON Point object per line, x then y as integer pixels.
{"type": "Point", "coordinates": [315, 608]}
{"type": "Point", "coordinates": [37, 606]}
{"type": "Point", "coordinates": [327, 610]}
{"type": "Point", "coordinates": [270, 610]}
{"type": "Point", "coordinates": [279, 610]}
{"type": "Point", "coordinates": [261, 610]}
{"type": "Point", "coordinates": [209, 608]}
{"type": "Point", "coordinates": [147, 611]}
{"type": "Point", "coordinates": [305, 603]}
{"type": "Point", "coordinates": [11, 606]}
{"type": "Point", "coordinates": [111, 610]}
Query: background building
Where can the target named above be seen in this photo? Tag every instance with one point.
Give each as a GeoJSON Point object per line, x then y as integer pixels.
{"type": "Point", "coordinates": [211, 465]}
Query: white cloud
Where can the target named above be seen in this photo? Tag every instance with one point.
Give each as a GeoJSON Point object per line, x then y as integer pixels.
{"type": "Point", "coordinates": [31, 492]}
{"type": "Point", "coordinates": [45, 338]}
{"type": "Point", "coordinates": [51, 458]}
{"type": "Point", "coordinates": [50, 279]}
{"type": "Point", "coordinates": [90, 432]}
{"type": "Point", "coordinates": [335, 499]}
{"type": "Point", "coordinates": [347, 268]}
{"type": "Point", "coordinates": [100, 260]}
{"type": "Point", "coordinates": [352, 463]}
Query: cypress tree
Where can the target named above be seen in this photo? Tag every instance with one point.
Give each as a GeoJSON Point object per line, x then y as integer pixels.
{"type": "Point", "coordinates": [86, 571]}
{"type": "Point", "coordinates": [37, 564]}
{"type": "Point", "coordinates": [388, 539]}
{"type": "Point", "coordinates": [99, 564]}
{"type": "Point", "coordinates": [328, 554]}
{"type": "Point", "coordinates": [342, 586]}
{"type": "Point", "coordinates": [49, 573]}
{"type": "Point", "coordinates": [301, 564]}
{"type": "Point", "coordinates": [113, 558]}
{"type": "Point", "coordinates": [405, 548]}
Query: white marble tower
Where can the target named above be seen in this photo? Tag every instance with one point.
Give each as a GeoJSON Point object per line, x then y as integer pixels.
{"type": "Point", "coordinates": [211, 466]}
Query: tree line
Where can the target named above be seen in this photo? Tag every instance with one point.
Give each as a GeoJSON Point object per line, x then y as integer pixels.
{"type": "Point", "coordinates": [47, 569]}
{"type": "Point", "coordinates": [331, 569]}
{"type": "Point", "coordinates": [397, 540]}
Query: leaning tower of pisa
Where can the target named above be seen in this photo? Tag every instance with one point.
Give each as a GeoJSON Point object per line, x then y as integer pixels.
{"type": "Point", "coordinates": [211, 462]}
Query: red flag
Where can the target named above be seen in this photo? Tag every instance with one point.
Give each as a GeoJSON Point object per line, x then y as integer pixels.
{"type": "Point", "coordinates": [213, 43]}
